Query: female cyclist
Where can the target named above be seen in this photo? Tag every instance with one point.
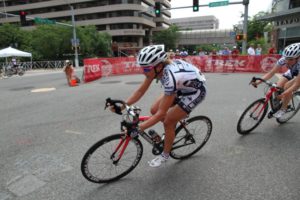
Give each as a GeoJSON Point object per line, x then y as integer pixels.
{"type": "Point", "coordinates": [290, 80]}
{"type": "Point", "coordinates": [184, 88]}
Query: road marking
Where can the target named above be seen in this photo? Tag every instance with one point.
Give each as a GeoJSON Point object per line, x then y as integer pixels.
{"type": "Point", "coordinates": [43, 90]}
{"type": "Point", "coordinates": [74, 132]}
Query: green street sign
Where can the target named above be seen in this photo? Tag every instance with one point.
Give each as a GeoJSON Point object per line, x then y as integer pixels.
{"type": "Point", "coordinates": [218, 3]}
{"type": "Point", "coordinates": [38, 20]}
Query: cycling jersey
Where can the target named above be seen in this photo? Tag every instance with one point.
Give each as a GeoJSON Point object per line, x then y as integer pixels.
{"type": "Point", "coordinates": [186, 81]}
{"type": "Point", "coordinates": [292, 71]}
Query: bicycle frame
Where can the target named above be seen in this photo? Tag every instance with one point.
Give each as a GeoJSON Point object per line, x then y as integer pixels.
{"type": "Point", "coordinates": [143, 134]}
{"type": "Point", "coordinates": [268, 96]}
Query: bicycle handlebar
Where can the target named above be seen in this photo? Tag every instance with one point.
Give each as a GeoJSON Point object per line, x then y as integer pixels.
{"type": "Point", "coordinates": [269, 83]}
{"type": "Point", "coordinates": [111, 102]}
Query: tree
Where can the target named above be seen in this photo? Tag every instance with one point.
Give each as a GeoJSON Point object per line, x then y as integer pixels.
{"type": "Point", "coordinates": [93, 43]}
{"type": "Point", "coordinates": [10, 36]}
{"type": "Point", "coordinates": [168, 37]}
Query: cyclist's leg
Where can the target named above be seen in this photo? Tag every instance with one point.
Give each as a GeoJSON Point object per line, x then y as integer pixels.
{"type": "Point", "coordinates": [184, 106]}
{"type": "Point", "coordinates": [173, 116]}
{"type": "Point", "coordinates": [286, 99]}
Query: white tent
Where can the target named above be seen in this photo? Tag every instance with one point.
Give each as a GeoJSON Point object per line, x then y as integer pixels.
{"type": "Point", "coordinates": [10, 52]}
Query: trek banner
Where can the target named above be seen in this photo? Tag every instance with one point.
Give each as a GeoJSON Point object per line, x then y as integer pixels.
{"type": "Point", "coordinates": [95, 68]}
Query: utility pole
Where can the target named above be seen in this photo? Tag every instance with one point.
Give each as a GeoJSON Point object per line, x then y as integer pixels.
{"type": "Point", "coordinates": [245, 27]}
{"type": "Point", "coordinates": [76, 42]}
{"type": "Point", "coordinates": [4, 5]}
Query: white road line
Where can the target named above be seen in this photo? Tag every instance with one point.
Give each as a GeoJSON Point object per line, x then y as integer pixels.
{"type": "Point", "coordinates": [74, 132]}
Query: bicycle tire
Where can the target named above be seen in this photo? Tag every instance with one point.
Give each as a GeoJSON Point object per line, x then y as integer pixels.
{"type": "Point", "coordinates": [103, 150]}
{"type": "Point", "coordinates": [194, 139]}
{"type": "Point", "coordinates": [292, 110]}
{"type": "Point", "coordinates": [257, 106]}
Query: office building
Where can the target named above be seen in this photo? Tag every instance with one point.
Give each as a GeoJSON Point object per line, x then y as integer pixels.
{"type": "Point", "coordinates": [131, 23]}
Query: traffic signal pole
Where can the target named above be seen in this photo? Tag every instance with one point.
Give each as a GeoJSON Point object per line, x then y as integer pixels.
{"type": "Point", "coordinates": [245, 24]}
{"type": "Point", "coordinates": [74, 37]}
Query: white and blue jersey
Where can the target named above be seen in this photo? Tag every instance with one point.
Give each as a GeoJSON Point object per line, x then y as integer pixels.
{"type": "Point", "coordinates": [186, 81]}
{"type": "Point", "coordinates": [292, 70]}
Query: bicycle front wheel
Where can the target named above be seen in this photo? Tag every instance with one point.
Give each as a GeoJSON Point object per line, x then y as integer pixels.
{"type": "Point", "coordinates": [102, 163]}
{"type": "Point", "coordinates": [191, 136]}
{"type": "Point", "coordinates": [292, 109]}
{"type": "Point", "coordinates": [252, 116]}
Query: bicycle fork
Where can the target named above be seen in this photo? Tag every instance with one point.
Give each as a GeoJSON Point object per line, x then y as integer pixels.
{"type": "Point", "coordinates": [121, 145]}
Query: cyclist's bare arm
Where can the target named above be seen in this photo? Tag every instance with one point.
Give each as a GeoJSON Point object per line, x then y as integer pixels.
{"type": "Point", "coordinates": [165, 103]}
{"type": "Point", "coordinates": [267, 76]}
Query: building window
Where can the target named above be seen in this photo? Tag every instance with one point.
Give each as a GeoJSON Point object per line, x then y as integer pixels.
{"type": "Point", "coordinates": [294, 4]}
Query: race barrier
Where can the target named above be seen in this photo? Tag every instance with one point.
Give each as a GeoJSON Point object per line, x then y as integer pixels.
{"type": "Point", "coordinates": [95, 68]}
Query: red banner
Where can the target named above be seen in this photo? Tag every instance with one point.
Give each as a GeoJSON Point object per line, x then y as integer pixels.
{"type": "Point", "coordinates": [98, 67]}
{"type": "Point", "coordinates": [92, 69]}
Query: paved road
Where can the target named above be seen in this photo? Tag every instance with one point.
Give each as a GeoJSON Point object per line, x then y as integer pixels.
{"type": "Point", "coordinates": [45, 134]}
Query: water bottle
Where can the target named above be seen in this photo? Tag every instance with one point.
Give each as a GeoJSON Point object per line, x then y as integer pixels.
{"type": "Point", "coordinates": [154, 135]}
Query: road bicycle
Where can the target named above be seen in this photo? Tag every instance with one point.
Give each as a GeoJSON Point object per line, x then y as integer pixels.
{"type": "Point", "coordinates": [117, 155]}
{"type": "Point", "coordinates": [256, 111]}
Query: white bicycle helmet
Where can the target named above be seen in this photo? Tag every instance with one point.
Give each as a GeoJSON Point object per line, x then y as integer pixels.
{"type": "Point", "coordinates": [151, 56]}
{"type": "Point", "coordinates": [292, 51]}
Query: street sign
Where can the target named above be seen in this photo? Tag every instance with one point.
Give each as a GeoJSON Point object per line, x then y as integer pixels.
{"type": "Point", "coordinates": [218, 3]}
{"type": "Point", "coordinates": [39, 20]}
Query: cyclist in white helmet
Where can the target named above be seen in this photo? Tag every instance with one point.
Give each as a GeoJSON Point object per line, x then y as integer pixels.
{"type": "Point", "coordinates": [184, 88]}
{"type": "Point", "coordinates": [290, 80]}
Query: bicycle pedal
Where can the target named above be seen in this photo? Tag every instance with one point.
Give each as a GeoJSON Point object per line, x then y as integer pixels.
{"type": "Point", "coordinates": [270, 114]}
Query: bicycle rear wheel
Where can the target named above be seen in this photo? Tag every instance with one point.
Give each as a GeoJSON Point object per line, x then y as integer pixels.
{"type": "Point", "coordinates": [293, 108]}
{"type": "Point", "coordinates": [252, 116]}
{"type": "Point", "coordinates": [100, 164]}
{"type": "Point", "coordinates": [191, 137]}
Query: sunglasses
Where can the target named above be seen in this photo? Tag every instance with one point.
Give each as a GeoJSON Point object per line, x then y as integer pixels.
{"type": "Point", "coordinates": [288, 59]}
{"type": "Point", "coordinates": [147, 69]}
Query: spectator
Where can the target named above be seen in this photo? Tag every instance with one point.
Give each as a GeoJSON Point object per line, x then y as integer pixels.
{"type": "Point", "coordinates": [14, 62]}
{"type": "Point", "coordinates": [258, 50]}
{"type": "Point", "coordinates": [201, 52]}
{"type": "Point", "coordinates": [251, 51]}
{"type": "Point", "coordinates": [235, 52]}
{"type": "Point", "coordinates": [69, 71]}
{"type": "Point", "coordinates": [226, 51]}
{"type": "Point", "coordinates": [115, 49]}
{"type": "Point", "coordinates": [272, 49]}
{"type": "Point", "coordinates": [171, 54]}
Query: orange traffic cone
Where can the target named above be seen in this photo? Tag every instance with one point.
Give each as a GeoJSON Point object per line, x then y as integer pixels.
{"type": "Point", "coordinates": [73, 83]}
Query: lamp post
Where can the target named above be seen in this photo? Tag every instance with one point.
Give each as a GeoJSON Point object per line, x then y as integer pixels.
{"type": "Point", "coordinates": [4, 6]}
{"type": "Point", "coordinates": [76, 42]}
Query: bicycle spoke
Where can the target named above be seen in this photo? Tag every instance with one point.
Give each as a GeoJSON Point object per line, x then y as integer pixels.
{"type": "Point", "coordinates": [98, 165]}
{"type": "Point", "coordinates": [191, 137]}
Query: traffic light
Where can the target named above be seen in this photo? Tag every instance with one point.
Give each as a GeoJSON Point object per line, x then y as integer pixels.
{"type": "Point", "coordinates": [239, 37]}
{"type": "Point", "coordinates": [195, 5]}
{"type": "Point", "coordinates": [245, 2]}
{"type": "Point", "coordinates": [157, 9]}
{"type": "Point", "coordinates": [23, 14]}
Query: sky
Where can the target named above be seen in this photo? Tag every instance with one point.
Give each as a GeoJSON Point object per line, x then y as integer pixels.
{"type": "Point", "coordinates": [228, 15]}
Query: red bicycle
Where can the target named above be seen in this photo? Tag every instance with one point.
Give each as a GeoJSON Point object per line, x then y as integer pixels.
{"type": "Point", "coordinates": [115, 156]}
{"type": "Point", "coordinates": [256, 112]}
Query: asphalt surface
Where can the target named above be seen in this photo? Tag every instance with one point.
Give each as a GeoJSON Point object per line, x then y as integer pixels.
{"type": "Point", "coordinates": [45, 134]}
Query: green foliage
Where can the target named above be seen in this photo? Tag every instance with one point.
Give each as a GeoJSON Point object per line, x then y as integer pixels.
{"type": "Point", "coordinates": [10, 35]}
{"type": "Point", "coordinates": [93, 43]}
{"type": "Point", "coordinates": [168, 37]}
{"type": "Point", "coordinates": [53, 42]}
{"type": "Point", "coordinates": [208, 47]}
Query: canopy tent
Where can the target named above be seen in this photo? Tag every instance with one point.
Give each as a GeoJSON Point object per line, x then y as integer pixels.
{"type": "Point", "coordinates": [11, 52]}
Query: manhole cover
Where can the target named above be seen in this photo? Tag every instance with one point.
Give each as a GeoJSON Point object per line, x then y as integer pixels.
{"type": "Point", "coordinates": [22, 88]}
{"type": "Point", "coordinates": [133, 82]}
{"type": "Point", "coordinates": [109, 82]}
